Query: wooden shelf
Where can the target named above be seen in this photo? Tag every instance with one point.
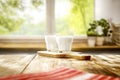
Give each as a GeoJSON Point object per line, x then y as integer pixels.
{"type": "Point", "coordinates": [43, 46]}
{"type": "Point", "coordinates": [97, 47]}
{"type": "Point", "coordinates": [106, 46]}
{"type": "Point", "coordinates": [77, 47]}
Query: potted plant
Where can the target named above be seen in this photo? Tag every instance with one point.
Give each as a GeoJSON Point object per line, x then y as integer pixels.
{"type": "Point", "coordinates": [101, 28]}
{"type": "Point", "coordinates": [105, 26]}
{"type": "Point", "coordinates": [91, 33]}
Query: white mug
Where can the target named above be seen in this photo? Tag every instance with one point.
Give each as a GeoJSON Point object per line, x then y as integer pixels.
{"type": "Point", "coordinates": [64, 43]}
{"type": "Point", "coordinates": [51, 43]}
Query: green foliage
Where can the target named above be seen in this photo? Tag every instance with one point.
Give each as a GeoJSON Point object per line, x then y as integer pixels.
{"type": "Point", "coordinates": [36, 3]}
{"type": "Point", "coordinates": [8, 17]}
{"type": "Point", "coordinates": [91, 31]}
{"type": "Point", "coordinates": [103, 23]}
{"type": "Point", "coordinates": [9, 24]}
{"type": "Point", "coordinates": [81, 14]}
{"type": "Point", "coordinates": [105, 26]}
{"type": "Point", "coordinates": [10, 20]}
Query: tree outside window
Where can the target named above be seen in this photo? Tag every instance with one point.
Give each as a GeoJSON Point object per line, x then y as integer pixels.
{"type": "Point", "coordinates": [28, 17]}
{"type": "Point", "coordinates": [77, 14]}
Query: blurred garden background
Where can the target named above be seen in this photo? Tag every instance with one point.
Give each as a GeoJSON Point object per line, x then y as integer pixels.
{"type": "Point", "coordinates": [28, 17]}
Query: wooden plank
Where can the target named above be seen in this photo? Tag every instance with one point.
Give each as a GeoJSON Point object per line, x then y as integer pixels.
{"type": "Point", "coordinates": [73, 55]}
{"type": "Point", "coordinates": [23, 45]}
{"type": "Point", "coordinates": [42, 45]}
{"type": "Point", "coordinates": [96, 65]}
{"type": "Point", "coordinates": [14, 63]}
{"type": "Point", "coordinates": [110, 63]}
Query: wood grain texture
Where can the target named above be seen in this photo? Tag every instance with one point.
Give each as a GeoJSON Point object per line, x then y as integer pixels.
{"type": "Point", "coordinates": [41, 45]}
{"type": "Point", "coordinates": [73, 55]}
{"type": "Point", "coordinates": [14, 63]}
{"type": "Point", "coordinates": [100, 64]}
{"type": "Point", "coordinates": [24, 63]}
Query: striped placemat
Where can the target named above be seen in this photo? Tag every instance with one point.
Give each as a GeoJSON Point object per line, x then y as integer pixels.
{"type": "Point", "coordinates": [61, 73]}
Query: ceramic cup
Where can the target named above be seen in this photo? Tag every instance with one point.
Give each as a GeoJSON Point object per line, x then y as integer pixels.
{"type": "Point", "coordinates": [51, 43]}
{"type": "Point", "coordinates": [64, 43]}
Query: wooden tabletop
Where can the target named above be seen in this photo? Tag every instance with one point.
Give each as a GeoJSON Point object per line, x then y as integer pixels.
{"type": "Point", "coordinates": [106, 64]}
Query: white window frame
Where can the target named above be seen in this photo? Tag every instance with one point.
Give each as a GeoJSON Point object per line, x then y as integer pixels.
{"type": "Point", "coordinates": [50, 13]}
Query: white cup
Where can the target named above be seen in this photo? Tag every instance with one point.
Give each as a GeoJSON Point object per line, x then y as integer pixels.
{"type": "Point", "coordinates": [64, 43]}
{"type": "Point", "coordinates": [51, 43]}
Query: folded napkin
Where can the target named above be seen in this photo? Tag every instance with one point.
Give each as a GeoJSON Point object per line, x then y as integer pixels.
{"type": "Point", "coordinates": [61, 73]}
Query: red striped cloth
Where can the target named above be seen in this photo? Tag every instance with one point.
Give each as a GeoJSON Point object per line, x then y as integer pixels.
{"type": "Point", "coordinates": [61, 73]}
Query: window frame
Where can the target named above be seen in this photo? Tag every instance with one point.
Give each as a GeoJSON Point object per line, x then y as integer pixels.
{"type": "Point", "coordinates": [50, 29]}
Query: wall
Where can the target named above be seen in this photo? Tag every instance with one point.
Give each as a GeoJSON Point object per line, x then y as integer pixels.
{"type": "Point", "coordinates": [108, 9]}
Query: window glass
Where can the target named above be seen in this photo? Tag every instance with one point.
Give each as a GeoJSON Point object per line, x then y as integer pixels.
{"type": "Point", "coordinates": [28, 17]}
{"type": "Point", "coordinates": [22, 17]}
{"type": "Point", "coordinates": [73, 16]}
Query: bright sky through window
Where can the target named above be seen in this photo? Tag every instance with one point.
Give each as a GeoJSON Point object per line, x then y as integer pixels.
{"type": "Point", "coordinates": [62, 8]}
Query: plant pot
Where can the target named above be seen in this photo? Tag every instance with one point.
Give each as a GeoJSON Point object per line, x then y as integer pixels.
{"type": "Point", "coordinates": [108, 40]}
{"type": "Point", "coordinates": [91, 41]}
{"type": "Point", "coordinates": [100, 41]}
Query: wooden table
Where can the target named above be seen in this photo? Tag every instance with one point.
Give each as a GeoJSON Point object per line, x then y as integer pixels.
{"type": "Point", "coordinates": [107, 64]}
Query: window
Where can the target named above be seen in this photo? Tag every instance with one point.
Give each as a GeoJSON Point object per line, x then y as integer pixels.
{"type": "Point", "coordinates": [40, 17]}
{"type": "Point", "coordinates": [22, 17]}
{"type": "Point", "coordinates": [72, 17]}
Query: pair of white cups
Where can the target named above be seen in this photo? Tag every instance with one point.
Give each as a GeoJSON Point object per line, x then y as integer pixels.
{"type": "Point", "coordinates": [58, 43]}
